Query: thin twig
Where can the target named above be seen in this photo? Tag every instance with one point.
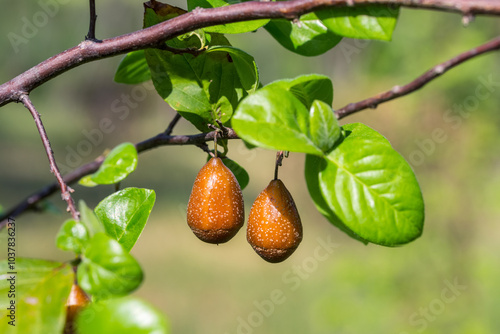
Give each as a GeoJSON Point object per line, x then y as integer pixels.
{"type": "Point", "coordinates": [204, 147]}
{"type": "Point", "coordinates": [419, 82]}
{"type": "Point", "coordinates": [65, 190]}
{"type": "Point", "coordinates": [161, 139]}
{"type": "Point", "coordinates": [88, 51]}
{"type": "Point", "coordinates": [173, 123]}
{"type": "Point", "coordinates": [92, 22]}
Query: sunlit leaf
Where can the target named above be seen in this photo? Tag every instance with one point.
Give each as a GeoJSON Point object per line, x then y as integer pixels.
{"type": "Point", "coordinates": [119, 163]}
{"type": "Point", "coordinates": [125, 213]}
{"type": "Point", "coordinates": [277, 116]}
{"type": "Point", "coordinates": [122, 316]}
{"type": "Point", "coordinates": [107, 270]}
{"type": "Point", "coordinates": [369, 187]}
{"type": "Point", "coordinates": [363, 21]}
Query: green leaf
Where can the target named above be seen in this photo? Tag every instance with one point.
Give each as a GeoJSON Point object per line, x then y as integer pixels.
{"type": "Point", "coordinates": [41, 290]}
{"type": "Point", "coordinates": [230, 28]}
{"type": "Point", "coordinates": [107, 270]}
{"type": "Point", "coordinates": [133, 69]}
{"type": "Point", "coordinates": [244, 64]}
{"type": "Point", "coordinates": [86, 181]}
{"type": "Point", "coordinates": [125, 213]}
{"type": "Point", "coordinates": [308, 88]}
{"type": "Point", "coordinates": [370, 188]}
{"type": "Point", "coordinates": [324, 127]}
{"type": "Point", "coordinates": [205, 87]}
{"type": "Point", "coordinates": [119, 163]}
{"type": "Point", "coordinates": [313, 167]}
{"type": "Point", "coordinates": [364, 21]}
{"type": "Point", "coordinates": [157, 12]}
{"type": "Point", "coordinates": [89, 219]}
{"type": "Point", "coordinates": [122, 316]}
{"type": "Point", "coordinates": [277, 116]}
{"type": "Point", "coordinates": [274, 118]}
{"type": "Point", "coordinates": [307, 37]}
{"type": "Point", "coordinates": [72, 236]}
{"type": "Point", "coordinates": [239, 172]}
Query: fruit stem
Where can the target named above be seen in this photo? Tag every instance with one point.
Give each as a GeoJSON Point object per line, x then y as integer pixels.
{"type": "Point", "coordinates": [279, 161]}
{"type": "Point", "coordinates": [215, 143]}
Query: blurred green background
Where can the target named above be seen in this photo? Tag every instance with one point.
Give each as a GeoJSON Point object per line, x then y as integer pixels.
{"type": "Point", "coordinates": [445, 282]}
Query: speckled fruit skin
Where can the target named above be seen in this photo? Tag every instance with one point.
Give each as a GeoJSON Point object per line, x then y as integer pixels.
{"type": "Point", "coordinates": [215, 210]}
{"type": "Point", "coordinates": [76, 301]}
{"type": "Point", "coordinates": [274, 227]}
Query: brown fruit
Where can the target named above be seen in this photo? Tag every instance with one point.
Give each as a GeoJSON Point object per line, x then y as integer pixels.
{"type": "Point", "coordinates": [274, 229]}
{"type": "Point", "coordinates": [215, 210]}
{"type": "Point", "coordinates": [76, 301]}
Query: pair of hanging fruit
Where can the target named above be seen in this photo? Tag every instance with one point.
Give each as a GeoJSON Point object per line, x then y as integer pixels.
{"type": "Point", "coordinates": [216, 213]}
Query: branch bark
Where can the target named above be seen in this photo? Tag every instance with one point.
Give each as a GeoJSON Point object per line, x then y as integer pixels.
{"type": "Point", "coordinates": [88, 50]}
{"type": "Point", "coordinates": [433, 73]}
{"type": "Point", "coordinates": [65, 190]}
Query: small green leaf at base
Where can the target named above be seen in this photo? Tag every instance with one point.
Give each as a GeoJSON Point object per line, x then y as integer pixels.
{"type": "Point", "coordinates": [122, 316]}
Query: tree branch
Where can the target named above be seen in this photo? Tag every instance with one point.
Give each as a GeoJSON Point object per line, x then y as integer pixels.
{"type": "Point", "coordinates": [433, 73]}
{"type": "Point", "coordinates": [65, 190]}
{"type": "Point", "coordinates": [162, 139]}
{"type": "Point", "coordinates": [165, 138]}
{"type": "Point", "coordinates": [88, 51]}
{"type": "Point", "coordinates": [18, 88]}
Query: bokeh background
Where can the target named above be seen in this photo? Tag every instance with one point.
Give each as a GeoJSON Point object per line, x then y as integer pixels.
{"type": "Point", "coordinates": [444, 282]}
